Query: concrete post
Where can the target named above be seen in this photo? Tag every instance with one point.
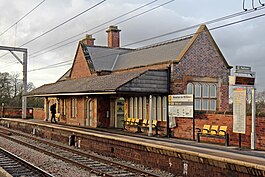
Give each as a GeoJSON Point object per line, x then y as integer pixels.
{"type": "Point", "coordinates": [253, 130]}
{"type": "Point", "coordinates": [150, 133]}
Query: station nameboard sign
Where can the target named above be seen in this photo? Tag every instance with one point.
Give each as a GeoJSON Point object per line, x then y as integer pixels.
{"type": "Point", "coordinates": [180, 105]}
{"type": "Point", "coordinates": [239, 110]}
{"type": "Point", "coordinates": [243, 69]}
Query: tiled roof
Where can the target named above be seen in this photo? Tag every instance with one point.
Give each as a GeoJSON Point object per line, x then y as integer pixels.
{"type": "Point", "coordinates": [151, 55]}
{"type": "Point", "coordinates": [89, 84]}
{"type": "Point", "coordinates": [103, 58]}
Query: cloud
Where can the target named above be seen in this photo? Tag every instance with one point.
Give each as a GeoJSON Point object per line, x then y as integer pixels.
{"type": "Point", "coordinates": [241, 44]}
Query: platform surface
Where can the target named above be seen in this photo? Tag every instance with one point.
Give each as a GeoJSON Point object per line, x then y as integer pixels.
{"type": "Point", "coordinates": [245, 157]}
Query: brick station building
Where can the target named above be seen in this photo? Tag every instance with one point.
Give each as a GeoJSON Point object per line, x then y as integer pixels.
{"type": "Point", "coordinates": [105, 85]}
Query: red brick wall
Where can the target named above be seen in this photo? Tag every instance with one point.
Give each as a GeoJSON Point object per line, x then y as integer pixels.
{"type": "Point", "coordinates": [38, 113]}
{"type": "Point", "coordinates": [11, 112]}
{"type": "Point", "coordinates": [169, 159]}
{"type": "Point", "coordinates": [80, 67]}
{"type": "Point", "coordinates": [184, 128]}
{"type": "Point", "coordinates": [113, 39]}
{"type": "Point", "coordinates": [202, 61]}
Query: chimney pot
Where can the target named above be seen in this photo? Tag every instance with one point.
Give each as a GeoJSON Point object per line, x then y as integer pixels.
{"type": "Point", "coordinates": [89, 40]}
{"type": "Point", "coordinates": [113, 36]}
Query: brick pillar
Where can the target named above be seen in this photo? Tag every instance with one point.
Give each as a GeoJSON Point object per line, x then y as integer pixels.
{"type": "Point", "coordinates": [113, 37]}
{"type": "Point", "coordinates": [89, 40]}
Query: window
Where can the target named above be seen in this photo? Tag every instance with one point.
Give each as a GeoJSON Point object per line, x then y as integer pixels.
{"type": "Point", "coordinates": [205, 89]}
{"type": "Point", "coordinates": [159, 110]}
{"type": "Point", "coordinates": [131, 107]}
{"type": "Point", "coordinates": [197, 90]}
{"type": "Point", "coordinates": [140, 113]}
{"type": "Point", "coordinates": [138, 107]}
{"type": "Point", "coordinates": [135, 107]}
{"type": "Point", "coordinates": [205, 95]}
{"type": "Point", "coordinates": [154, 108]}
{"type": "Point", "coordinates": [164, 118]}
{"type": "Point", "coordinates": [74, 107]}
{"type": "Point", "coordinates": [144, 108]}
{"type": "Point", "coordinates": [64, 107]}
{"type": "Point", "coordinates": [190, 88]}
{"type": "Point", "coordinates": [90, 112]}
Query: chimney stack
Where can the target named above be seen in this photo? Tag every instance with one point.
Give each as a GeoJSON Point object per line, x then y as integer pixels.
{"type": "Point", "coordinates": [89, 40]}
{"type": "Point", "coordinates": [113, 36]}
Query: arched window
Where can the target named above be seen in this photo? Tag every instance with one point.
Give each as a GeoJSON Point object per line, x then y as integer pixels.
{"type": "Point", "coordinates": [190, 88]}
{"type": "Point", "coordinates": [89, 116]}
{"type": "Point", "coordinates": [197, 90]}
{"type": "Point", "coordinates": [205, 90]}
{"type": "Point", "coordinates": [74, 107]}
{"type": "Point", "coordinates": [212, 91]}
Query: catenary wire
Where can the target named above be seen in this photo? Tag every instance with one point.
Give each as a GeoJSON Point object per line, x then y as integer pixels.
{"type": "Point", "coordinates": [210, 29]}
{"type": "Point", "coordinates": [104, 23]}
{"type": "Point", "coordinates": [22, 17]}
{"type": "Point", "coordinates": [57, 26]}
{"type": "Point", "coordinates": [209, 22]}
{"type": "Point", "coordinates": [166, 34]}
{"type": "Point", "coordinates": [103, 29]}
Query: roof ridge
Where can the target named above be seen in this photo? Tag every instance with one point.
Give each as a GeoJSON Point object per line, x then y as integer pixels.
{"type": "Point", "coordinates": [163, 43]}
{"type": "Point", "coordinates": [106, 47]}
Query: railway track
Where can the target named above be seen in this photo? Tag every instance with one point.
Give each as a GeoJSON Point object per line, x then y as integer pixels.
{"type": "Point", "coordinates": [18, 167]}
{"type": "Point", "coordinates": [95, 164]}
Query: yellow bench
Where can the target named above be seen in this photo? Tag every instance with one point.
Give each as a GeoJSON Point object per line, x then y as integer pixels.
{"type": "Point", "coordinates": [213, 132]}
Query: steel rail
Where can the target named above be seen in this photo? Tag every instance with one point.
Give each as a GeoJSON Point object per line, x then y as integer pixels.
{"type": "Point", "coordinates": [16, 166]}
{"type": "Point", "coordinates": [82, 154]}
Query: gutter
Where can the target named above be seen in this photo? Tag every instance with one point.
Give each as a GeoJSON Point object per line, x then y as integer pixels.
{"type": "Point", "coordinates": [72, 94]}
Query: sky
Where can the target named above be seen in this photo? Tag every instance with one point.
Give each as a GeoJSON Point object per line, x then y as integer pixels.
{"type": "Point", "coordinates": [241, 44]}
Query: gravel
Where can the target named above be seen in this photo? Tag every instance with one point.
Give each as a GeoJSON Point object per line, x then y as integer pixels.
{"type": "Point", "coordinates": [58, 167]}
{"type": "Point", "coordinates": [51, 165]}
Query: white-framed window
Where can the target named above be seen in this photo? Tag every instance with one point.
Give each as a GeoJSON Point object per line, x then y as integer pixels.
{"type": "Point", "coordinates": [138, 107]}
{"type": "Point", "coordinates": [158, 109]}
{"type": "Point", "coordinates": [135, 107]}
{"type": "Point", "coordinates": [64, 107]}
{"type": "Point", "coordinates": [74, 107]}
{"type": "Point", "coordinates": [164, 117]}
{"type": "Point", "coordinates": [131, 107]}
{"type": "Point", "coordinates": [140, 113]}
{"type": "Point", "coordinates": [144, 107]}
{"type": "Point", "coordinates": [190, 88]}
{"type": "Point", "coordinates": [205, 95]}
{"type": "Point", "coordinates": [154, 108]}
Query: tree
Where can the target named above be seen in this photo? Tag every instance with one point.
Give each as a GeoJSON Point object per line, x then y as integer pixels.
{"type": "Point", "coordinates": [260, 102]}
{"type": "Point", "coordinates": [11, 89]}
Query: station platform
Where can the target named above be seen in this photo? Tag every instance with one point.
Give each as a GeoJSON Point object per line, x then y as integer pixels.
{"type": "Point", "coordinates": [181, 157]}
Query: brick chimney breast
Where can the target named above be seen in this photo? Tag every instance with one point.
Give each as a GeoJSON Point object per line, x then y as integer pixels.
{"type": "Point", "coordinates": [113, 36]}
{"type": "Point", "coordinates": [89, 40]}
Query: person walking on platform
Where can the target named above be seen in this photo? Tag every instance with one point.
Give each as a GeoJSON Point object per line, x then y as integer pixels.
{"type": "Point", "coordinates": [53, 112]}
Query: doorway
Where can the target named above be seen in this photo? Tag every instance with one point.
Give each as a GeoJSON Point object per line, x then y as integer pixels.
{"type": "Point", "coordinates": [119, 110]}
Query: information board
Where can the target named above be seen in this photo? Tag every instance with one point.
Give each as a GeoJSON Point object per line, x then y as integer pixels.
{"type": "Point", "coordinates": [239, 110]}
{"type": "Point", "coordinates": [180, 105]}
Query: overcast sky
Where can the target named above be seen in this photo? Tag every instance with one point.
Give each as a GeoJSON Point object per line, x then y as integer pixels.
{"type": "Point", "coordinates": [241, 44]}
